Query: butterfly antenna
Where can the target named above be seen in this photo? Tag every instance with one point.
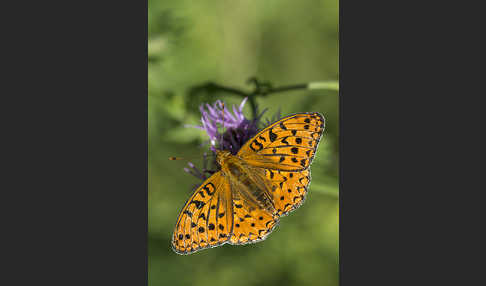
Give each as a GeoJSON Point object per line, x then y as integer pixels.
{"type": "Point", "coordinates": [175, 158]}
{"type": "Point", "coordinates": [182, 158]}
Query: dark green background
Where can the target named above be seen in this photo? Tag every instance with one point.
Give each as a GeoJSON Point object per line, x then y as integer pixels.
{"type": "Point", "coordinates": [283, 42]}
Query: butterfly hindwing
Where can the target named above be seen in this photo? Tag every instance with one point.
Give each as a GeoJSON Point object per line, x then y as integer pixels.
{"type": "Point", "coordinates": [204, 221]}
{"type": "Point", "coordinates": [288, 144]}
{"type": "Point", "coordinates": [251, 224]}
{"type": "Point", "coordinates": [289, 189]}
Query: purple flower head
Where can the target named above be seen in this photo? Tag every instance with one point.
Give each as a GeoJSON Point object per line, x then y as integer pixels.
{"type": "Point", "coordinates": [226, 130]}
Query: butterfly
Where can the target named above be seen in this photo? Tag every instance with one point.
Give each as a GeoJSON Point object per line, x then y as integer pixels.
{"type": "Point", "coordinates": [243, 201]}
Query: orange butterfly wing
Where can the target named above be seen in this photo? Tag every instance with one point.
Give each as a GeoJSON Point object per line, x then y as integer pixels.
{"type": "Point", "coordinates": [285, 150]}
{"type": "Point", "coordinates": [289, 189]}
{"type": "Point", "coordinates": [251, 225]}
{"type": "Point", "coordinates": [206, 219]}
{"type": "Point", "coordinates": [286, 145]}
{"type": "Point", "coordinates": [251, 222]}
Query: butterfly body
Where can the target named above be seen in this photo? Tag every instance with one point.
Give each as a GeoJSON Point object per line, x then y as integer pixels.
{"type": "Point", "coordinates": [247, 182]}
{"type": "Point", "coordinates": [266, 179]}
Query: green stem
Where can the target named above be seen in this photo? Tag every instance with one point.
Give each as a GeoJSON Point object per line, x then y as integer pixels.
{"type": "Point", "coordinates": [330, 85]}
{"type": "Point", "coordinates": [252, 101]}
{"type": "Point", "coordinates": [264, 89]}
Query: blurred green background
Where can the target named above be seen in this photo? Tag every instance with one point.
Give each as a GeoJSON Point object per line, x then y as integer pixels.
{"type": "Point", "coordinates": [284, 42]}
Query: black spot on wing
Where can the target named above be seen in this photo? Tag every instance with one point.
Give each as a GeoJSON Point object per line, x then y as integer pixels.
{"type": "Point", "coordinates": [302, 162]}
{"type": "Point", "coordinates": [272, 135]}
{"type": "Point", "coordinates": [188, 213]}
{"type": "Point", "coordinates": [208, 187]}
{"type": "Point", "coordinates": [199, 204]}
{"type": "Point", "coordinates": [258, 146]}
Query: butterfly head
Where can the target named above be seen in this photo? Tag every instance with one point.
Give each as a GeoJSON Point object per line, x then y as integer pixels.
{"type": "Point", "coordinates": [222, 156]}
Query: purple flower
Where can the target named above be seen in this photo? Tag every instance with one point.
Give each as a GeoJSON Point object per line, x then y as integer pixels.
{"type": "Point", "coordinates": [226, 130]}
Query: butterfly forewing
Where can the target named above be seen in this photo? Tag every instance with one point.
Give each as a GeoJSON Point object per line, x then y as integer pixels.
{"type": "Point", "coordinates": [204, 221]}
{"type": "Point", "coordinates": [288, 144]}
